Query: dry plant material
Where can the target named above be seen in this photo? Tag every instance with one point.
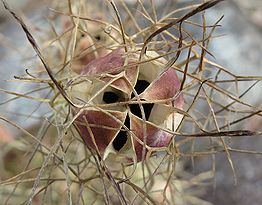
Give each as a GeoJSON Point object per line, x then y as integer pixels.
{"type": "Point", "coordinates": [125, 127]}
{"type": "Point", "coordinates": [129, 94]}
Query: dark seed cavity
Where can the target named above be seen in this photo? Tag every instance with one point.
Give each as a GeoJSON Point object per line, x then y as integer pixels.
{"type": "Point", "coordinates": [98, 37]}
{"type": "Point", "coordinates": [121, 137]}
{"type": "Point", "coordinates": [120, 140]}
{"type": "Point", "coordinates": [135, 109]}
{"type": "Point", "coordinates": [141, 85]}
{"type": "Point", "coordinates": [110, 97]}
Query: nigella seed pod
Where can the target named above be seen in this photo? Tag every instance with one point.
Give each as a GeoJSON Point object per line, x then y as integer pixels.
{"type": "Point", "coordinates": [118, 129]}
{"type": "Point", "coordinates": [92, 40]}
{"type": "Point", "coordinates": [88, 48]}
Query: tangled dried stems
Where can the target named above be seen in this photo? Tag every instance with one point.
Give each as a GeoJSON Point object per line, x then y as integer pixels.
{"type": "Point", "coordinates": [59, 168]}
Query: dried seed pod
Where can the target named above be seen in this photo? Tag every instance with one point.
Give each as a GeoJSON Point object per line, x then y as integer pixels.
{"type": "Point", "coordinates": [91, 45]}
{"type": "Point", "coordinates": [130, 105]}
{"type": "Point", "coordinates": [93, 42]}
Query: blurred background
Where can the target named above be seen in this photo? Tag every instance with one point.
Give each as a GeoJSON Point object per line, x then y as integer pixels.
{"type": "Point", "coordinates": [239, 49]}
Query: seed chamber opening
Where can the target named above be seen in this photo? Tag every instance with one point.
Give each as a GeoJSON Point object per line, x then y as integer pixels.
{"type": "Point", "coordinates": [110, 97]}
{"type": "Point", "coordinates": [140, 87]}
{"type": "Point", "coordinates": [97, 37]}
{"type": "Point", "coordinates": [121, 138]}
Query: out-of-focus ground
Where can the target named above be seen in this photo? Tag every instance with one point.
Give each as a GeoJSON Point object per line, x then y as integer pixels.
{"type": "Point", "coordinates": [240, 50]}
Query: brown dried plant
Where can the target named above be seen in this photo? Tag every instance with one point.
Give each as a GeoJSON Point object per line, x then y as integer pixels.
{"type": "Point", "coordinates": [59, 168]}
